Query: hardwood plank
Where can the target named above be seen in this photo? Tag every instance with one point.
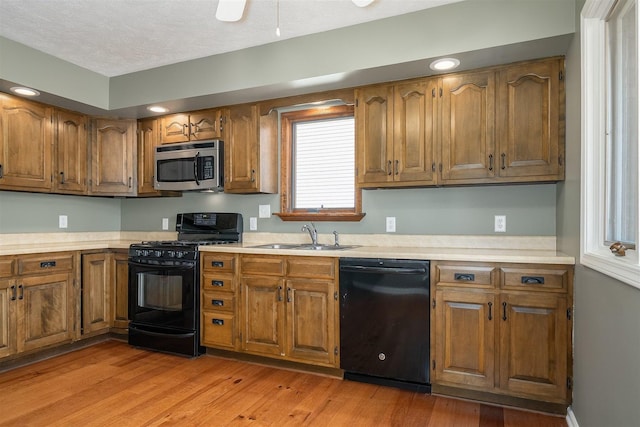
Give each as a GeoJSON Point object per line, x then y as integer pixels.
{"type": "Point", "coordinates": [112, 383]}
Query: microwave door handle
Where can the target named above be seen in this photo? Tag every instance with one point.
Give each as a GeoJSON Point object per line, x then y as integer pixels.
{"type": "Point", "coordinates": [195, 168]}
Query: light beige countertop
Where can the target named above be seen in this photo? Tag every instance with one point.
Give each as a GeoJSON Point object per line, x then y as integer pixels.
{"type": "Point", "coordinates": [514, 249]}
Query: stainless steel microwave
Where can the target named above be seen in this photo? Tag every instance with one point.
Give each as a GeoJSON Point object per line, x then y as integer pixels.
{"type": "Point", "coordinates": [190, 166]}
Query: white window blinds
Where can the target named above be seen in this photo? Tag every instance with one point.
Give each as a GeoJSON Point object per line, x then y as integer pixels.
{"type": "Point", "coordinates": [324, 164]}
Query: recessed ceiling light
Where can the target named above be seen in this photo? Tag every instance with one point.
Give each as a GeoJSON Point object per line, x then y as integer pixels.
{"type": "Point", "coordinates": [362, 3]}
{"type": "Point", "coordinates": [24, 91]}
{"type": "Point", "coordinates": [443, 64]}
{"type": "Point", "coordinates": [230, 10]}
{"type": "Point", "coordinates": [157, 109]}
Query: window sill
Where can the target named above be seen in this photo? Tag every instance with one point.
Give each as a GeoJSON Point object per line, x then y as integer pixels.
{"type": "Point", "coordinates": [625, 269]}
{"type": "Point", "coordinates": [320, 216]}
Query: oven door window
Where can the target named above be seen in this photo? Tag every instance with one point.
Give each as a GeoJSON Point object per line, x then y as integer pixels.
{"type": "Point", "coordinates": [176, 170]}
{"type": "Point", "coordinates": [162, 296]}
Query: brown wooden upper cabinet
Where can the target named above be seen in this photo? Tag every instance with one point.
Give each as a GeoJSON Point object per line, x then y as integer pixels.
{"type": "Point", "coordinates": [250, 150]}
{"type": "Point", "coordinates": [70, 153]}
{"type": "Point", "coordinates": [194, 126]}
{"type": "Point", "coordinates": [497, 125]}
{"type": "Point", "coordinates": [26, 145]}
{"type": "Point", "coordinates": [148, 139]}
{"type": "Point", "coordinates": [113, 154]}
{"type": "Point", "coordinates": [395, 134]}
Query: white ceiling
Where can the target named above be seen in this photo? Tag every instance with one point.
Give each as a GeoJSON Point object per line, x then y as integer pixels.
{"type": "Point", "coordinates": [115, 37]}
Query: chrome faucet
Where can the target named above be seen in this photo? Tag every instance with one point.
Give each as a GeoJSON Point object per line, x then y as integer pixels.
{"type": "Point", "coordinates": [312, 232]}
{"type": "Point", "coordinates": [335, 235]}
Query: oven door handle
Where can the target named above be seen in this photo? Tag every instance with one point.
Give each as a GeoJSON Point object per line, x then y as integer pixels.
{"type": "Point", "coordinates": [164, 266]}
{"type": "Point", "coordinates": [161, 334]}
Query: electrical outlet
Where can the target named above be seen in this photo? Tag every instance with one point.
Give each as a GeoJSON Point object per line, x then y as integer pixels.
{"type": "Point", "coordinates": [264, 211]}
{"type": "Point", "coordinates": [391, 224]}
{"type": "Point", "coordinates": [500, 223]}
{"type": "Point", "coordinates": [62, 221]}
{"type": "Point", "coordinates": [253, 223]}
{"type": "Point", "coordinates": [165, 223]}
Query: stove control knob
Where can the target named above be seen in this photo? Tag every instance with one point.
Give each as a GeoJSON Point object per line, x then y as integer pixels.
{"type": "Point", "coordinates": [180, 254]}
{"type": "Point", "coordinates": [157, 254]}
{"type": "Point", "coordinates": [171, 254]}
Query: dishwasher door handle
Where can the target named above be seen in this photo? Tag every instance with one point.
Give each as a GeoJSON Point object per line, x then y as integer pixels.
{"type": "Point", "coordinates": [376, 270]}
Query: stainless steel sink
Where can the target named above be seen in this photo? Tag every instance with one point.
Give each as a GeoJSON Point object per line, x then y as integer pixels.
{"type": "Point", "coordinates": [304, 247]}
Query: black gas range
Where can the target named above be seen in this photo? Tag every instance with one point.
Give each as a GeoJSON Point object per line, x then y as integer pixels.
{"type": "Point", "coordinates": [164, 278]}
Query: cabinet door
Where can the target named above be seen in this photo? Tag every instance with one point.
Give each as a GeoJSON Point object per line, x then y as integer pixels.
{"type": "Point", "coordinates": [174, 128]}
{"type": "Point", "coordinates": [374, 134]}
{"type": "Point", "coordinates": [121, 291]}
{"type": "Point", "coordinates": [531, 119]}
{"type": "Point", "coordinates": [242, 150]}
{"type": "Point", "coordinates": [96, 292]}
{"type": "Point", "coordinates": [415, 116]}
{"type": "Point", "coordinates": [533, 346]}
{"type": "Point", "coordinates": [71, 153]}
{"type": "Point", "coordinates": [468, 122]}
{"type": "Point", "coordinates": [205, 125]}
{"type": "Point", "coordinates": [26, 145]}
{"type": "Point", "coordinates": [45, 314]}
{"type": "Point", "coordinates": [147, 142]}
{"type": "Point", "coordinates": [263, 315]}
{"type": "Point", "coordinates": [8, 325]}
{"type": "Point", "coordinates": [464, 338]}
{"type": "Point", "coordinates": [112, 157]}
{"type": "Point", "coordinates": [311, 325]}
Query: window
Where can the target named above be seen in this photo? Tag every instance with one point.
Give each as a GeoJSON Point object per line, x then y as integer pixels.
{"type": "Point", "coordinates": [610, 183]}
{"type": "Point", "coordinates": [318, 165]}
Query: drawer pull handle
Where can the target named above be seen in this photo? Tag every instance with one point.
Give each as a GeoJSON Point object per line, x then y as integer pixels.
{"type": "Point", "coordinates": [47, 264]}
{"type": "Point", "coordinates": [217, 264]}
{"type": "Point", "coordinates": [217, 302]}
{"type": "Point", "coordinates": [464, 277]}
{"type": "Point", "coordinates": [217, 322]}
{"type": "Point", "coordinates": [218, 283]}
{"type": "Point", "coordinates": [532, 280]}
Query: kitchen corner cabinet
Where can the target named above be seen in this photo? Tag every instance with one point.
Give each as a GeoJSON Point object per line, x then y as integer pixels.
{"type": "Point", "coordinates": [70, 153]}
{"type": "Point", "coordinates": [503, 329]}
{"type": "Point", "coordinates": [148, 140]}
{"type": "Point", "coordinates": [26, 145]}
{"type": "Point", "coordinates": [250, 145]}
{"type": "Point", "coordinates": [113, 155]}
{"type": "Point", "coordinates": [396, 133]}
{"type": "Point", "coordinates": [36, 301]}
{"type": "Point", "coordinates": [120, 291]}
{"type": "Point", "coordinates": [289, 308]}
{"type": "Point", "coordinates": [194, 126]}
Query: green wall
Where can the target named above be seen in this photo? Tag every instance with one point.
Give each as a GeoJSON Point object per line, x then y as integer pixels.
{"type": "Point", "coordinates": [607, 312]}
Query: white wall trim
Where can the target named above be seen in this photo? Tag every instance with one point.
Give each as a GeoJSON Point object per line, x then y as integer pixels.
{"type": "Point", "coordinates": [571, 418]}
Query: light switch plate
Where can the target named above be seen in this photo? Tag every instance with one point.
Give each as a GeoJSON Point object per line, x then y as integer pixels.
{"type": "Point", "coordinates": [62, 221]}
{"type": "Point", "coordinates": [264, 211]}
{"type": "Point", "coordinates": [165, 223]}
{"type": "Point", "coordinates": [391, 224]}
{"type": "Point", "coordinates": [253, 223]}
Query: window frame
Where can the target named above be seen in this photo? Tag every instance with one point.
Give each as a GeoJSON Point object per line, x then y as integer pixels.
{"type": "Point", "coordinates": [594, 253]}
{"type": "Point", "coordinates": [287, 211]}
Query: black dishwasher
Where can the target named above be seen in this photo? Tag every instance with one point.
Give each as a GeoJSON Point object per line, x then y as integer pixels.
{"type": "Point", "coordinates": [384, 322]}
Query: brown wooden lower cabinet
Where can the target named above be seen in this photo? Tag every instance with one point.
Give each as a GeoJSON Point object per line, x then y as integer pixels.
{"type": "Point", "coordinates": [36, 302]}
{"type": "Point", "coordinates": [283, 307]}
{"type": "Point", "coordinates": [503, 329]}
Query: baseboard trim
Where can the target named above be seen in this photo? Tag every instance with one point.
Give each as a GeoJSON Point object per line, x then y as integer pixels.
{"type": "Point", "coordinates": [571, 418]}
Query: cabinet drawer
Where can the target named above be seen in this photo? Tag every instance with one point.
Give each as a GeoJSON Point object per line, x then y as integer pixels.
{"type": "Point", "coordinates": [45, 264]}
{"type": "Point", "coordinates": [218, 282]}
{"type": "Point", "coordinates": [312, 267]}
{"type": "Point", "coordinates": [465, 275]}
{"type": "Point", "coordinates": [217, 329]}
{"type": "Point", "coordinates": [219, 301]}
{"type": "Point", "coordinates": [219, 262]}
{"type": "Point", "coordinates": [6, 267]}
{"type": "Point", "coordinates": [270, 265]}
{"type": "Point", "coordinates": [536, 278]}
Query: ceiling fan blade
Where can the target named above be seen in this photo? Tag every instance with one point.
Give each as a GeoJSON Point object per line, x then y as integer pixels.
{"type": "Point", "coordinates": [230, 10]}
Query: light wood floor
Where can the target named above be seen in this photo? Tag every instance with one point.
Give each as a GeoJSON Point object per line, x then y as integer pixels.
{"type": "Point", "coordinates": [113, 384]}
